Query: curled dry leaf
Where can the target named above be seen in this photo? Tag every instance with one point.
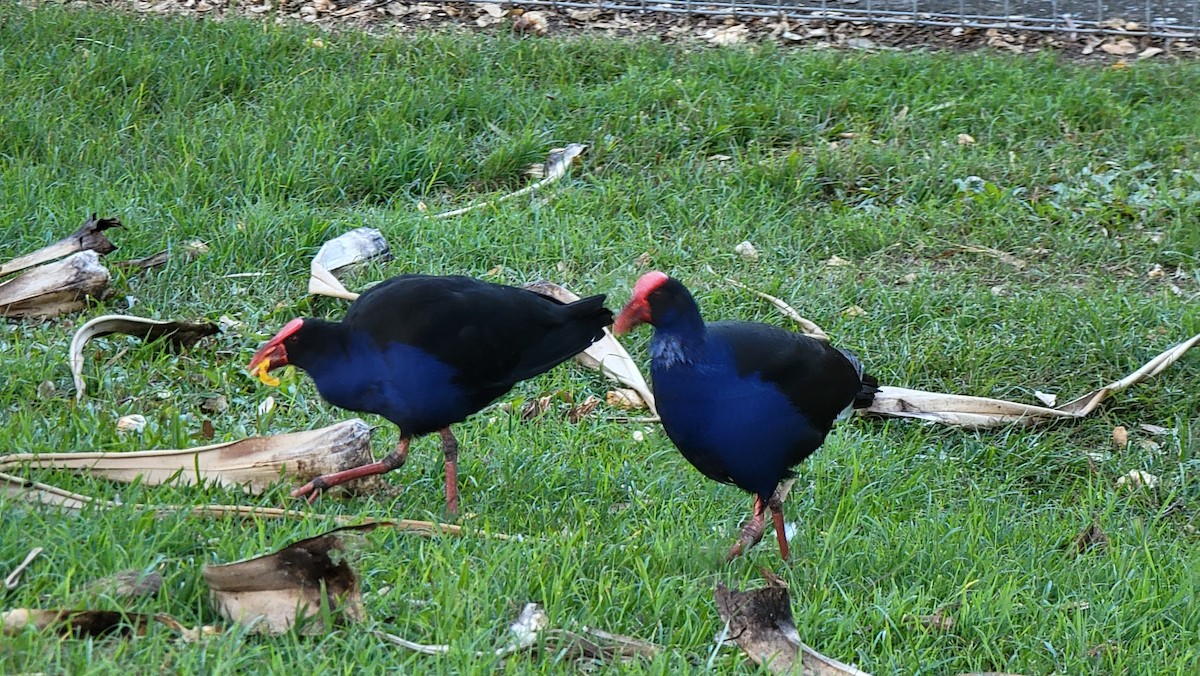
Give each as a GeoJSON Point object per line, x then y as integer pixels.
{"type": "Point", "coordinates": [255, 463]}
{"type": "Point", "coordinates": [178, 334]}
{"type": "Point", "coordinates": [854, 311]}
{"type": "Point", "coordinates": [605, 355]}
{"type": "Point", "coordinates": [760, 621]}
{"type": "Point", "coordinates": [89, 237]}
{"type": "Point", "coordinates": [966, 140]}
{"type": "Point", "coordinates": [579, 412]}
{"type": "Point", "coordinates": [624, 398]}
{"type": "Point", "coordinates": [356, 246]}
{"type": "Point", "coordinates": [272, 594]}
{"type": "Point", "coordinates": [55, 288]}
{"type": "Point", "coordinates": [1046, 399]}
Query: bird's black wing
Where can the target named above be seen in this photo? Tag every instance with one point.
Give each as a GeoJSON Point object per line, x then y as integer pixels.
{"type": "Point", "coordinates": [493, 335]}
{"type": "Point", "coordinates": [819, 379]}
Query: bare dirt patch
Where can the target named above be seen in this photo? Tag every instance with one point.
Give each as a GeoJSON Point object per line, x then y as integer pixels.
{"type": "Point", "coordinates": [398, 17]}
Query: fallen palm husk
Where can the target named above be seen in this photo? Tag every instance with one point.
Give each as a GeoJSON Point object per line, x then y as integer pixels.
{"type": "Point", "coordinates": [558, 162]}
{"type": "Point", "coordinates": [356, 246]}
{"type": "Point", "coordinates": [180, 334]}
{"type": "Point", "coordinates": [54, 288]}
{"type": "Point", "coordinates": [272, 594]}
{"type": "Point", "coordinates": [981, 412]}
{"type": "Point", "coordinates": [256, 463]}
{"type": "Point", "coordinates": [605, 355]}
{"type": "Point", "coordinates": [44, 494]}
{"type": "Point", "coordinates": [760, 621]}
{"type": "Point", "coordinates": [89, 236]}
{"type": "Point", "coordinates": [79, 623]}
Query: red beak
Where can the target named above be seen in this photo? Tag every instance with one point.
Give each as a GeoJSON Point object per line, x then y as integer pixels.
{"type": "Point", "coordinates": [273, 354]}
{"type": "Point", "coordinates": [636, 312]}
{"type": "Point", "coordinates": [273, 351]}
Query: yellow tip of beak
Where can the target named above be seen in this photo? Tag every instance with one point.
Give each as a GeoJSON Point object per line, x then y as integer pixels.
{"type": "Point", "coordinates": [260, 372]}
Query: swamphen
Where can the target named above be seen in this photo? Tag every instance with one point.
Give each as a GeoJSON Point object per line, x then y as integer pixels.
{"type": "Point", "coordinates": [744, 402]}
{"type": "Point", "coordinates": [426, 351]}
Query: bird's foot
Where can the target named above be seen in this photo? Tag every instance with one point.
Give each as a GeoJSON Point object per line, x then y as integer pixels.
{"type": "Point", "coordinates": [311, 490]}
{"type": "Point", "coordinates": [752, 532]}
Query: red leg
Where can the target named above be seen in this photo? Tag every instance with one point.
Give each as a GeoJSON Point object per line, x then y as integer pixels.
{"type": "Point", "coordinates": [450, 451]}
{"type": "Point", "coordinates": [780, 531]}
{"type": "Point", "coordinates": [392, 461]}
{"type": "Point", "coordinates": [752, 532]}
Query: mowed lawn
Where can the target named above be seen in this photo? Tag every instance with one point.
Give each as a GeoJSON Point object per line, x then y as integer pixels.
{"type": "Point", "coordinates": [915, 169]}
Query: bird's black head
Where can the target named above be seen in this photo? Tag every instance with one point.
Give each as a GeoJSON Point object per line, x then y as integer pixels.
{"type": "Point", "coordinates": [656, 298]}
{"type": "Point", "coordinates": [295, 342]}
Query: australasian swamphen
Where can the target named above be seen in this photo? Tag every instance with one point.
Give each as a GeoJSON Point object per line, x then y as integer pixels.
{"type": "Point", "coordinates": [427, 351]}
{"type": "Point", "coordinates": [744, 402]}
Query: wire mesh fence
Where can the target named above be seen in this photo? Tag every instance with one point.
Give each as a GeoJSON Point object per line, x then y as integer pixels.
{"type": "Point", "coordinates": [1156, 18]}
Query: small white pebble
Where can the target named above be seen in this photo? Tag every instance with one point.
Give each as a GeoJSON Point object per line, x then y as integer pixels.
{"type": "Point", "coordinates": [638, 435]}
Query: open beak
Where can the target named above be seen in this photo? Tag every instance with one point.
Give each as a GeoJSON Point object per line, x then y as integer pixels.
{"type": "Point", "coordinates": [269, 356]}
{"type": "Point", "coordinates": [636, 312]}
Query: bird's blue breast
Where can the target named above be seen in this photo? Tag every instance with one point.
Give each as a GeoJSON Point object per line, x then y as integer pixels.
{"type": "Point", "coordinates": [733, 428]}
{"type": "Point", "coordinates": [400, 382]}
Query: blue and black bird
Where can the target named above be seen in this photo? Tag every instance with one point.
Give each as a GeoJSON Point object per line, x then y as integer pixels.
{"type": "Point", "coordinates": [427, 351]}
{"type": "Point", "coordinates": [744, 402]}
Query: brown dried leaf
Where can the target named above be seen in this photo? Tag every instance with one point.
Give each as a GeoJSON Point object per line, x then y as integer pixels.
{"type": "Point", "coordinates": [54, 288]}
{"type": "Point", "coordinates": [1089, 538]}
{"type": "Point", "coordinates": [1120, 436]}
{"type": "Point", "coordinates": [624, 398]}
{"type": "Point", "coordinates": [760, 621]}
{"type": "Point", "coordinates": [127, 584]}
{"type": "Point", "coordinates": [1122, 47]}
{"type": "Point", "coordinates": [581, 411]}
{"type": "Point", "coordinates": [188, 251]}
{"type": "Point", "coordinates": [89, 236]}
{"type": "Point", "coordinates": [531, 23]}
{"type": "Point", "coordinates": [940, 620]}
{"type": "Point", "coordinates": [272, 594]}
{"type": "Point", "coordinates": [255, 463]}
{"type": "Point", "coordinates": [179, 334]}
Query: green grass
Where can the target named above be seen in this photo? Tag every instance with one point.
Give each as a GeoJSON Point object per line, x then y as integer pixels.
{"type": "Point", "coordinates": [248, 137]}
